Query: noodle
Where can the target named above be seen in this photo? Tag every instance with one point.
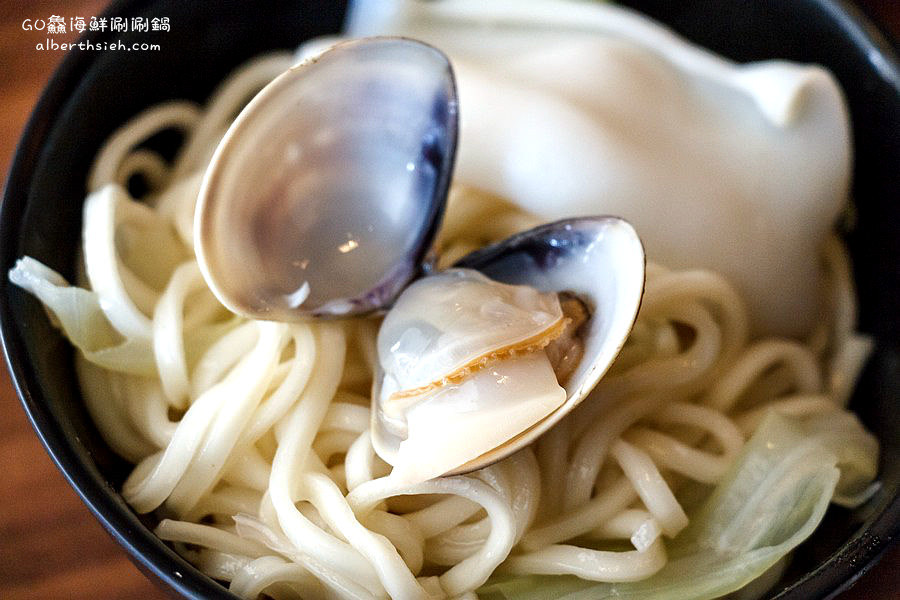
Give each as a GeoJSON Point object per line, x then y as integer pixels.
{"type": "Point", "coordinates": [252, 437]}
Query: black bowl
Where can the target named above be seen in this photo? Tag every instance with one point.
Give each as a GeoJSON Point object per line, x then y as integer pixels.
{"type": "Point", "coordinates": [93, 93]}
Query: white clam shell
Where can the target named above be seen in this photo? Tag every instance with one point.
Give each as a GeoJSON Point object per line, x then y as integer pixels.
{"type": "Point", "coordinates": [338, 166]}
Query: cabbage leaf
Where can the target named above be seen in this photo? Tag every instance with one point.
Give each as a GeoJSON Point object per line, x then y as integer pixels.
{"type": "Point", "coordinates": [77, 312]}
{"type": "Point", "coordinates": [772, 498]}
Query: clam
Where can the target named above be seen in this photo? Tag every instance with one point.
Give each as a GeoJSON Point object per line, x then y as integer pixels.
{"type": "Point", "coordinates": [325, 193]}
{"type": "Point", "coordinates": [477, 361]}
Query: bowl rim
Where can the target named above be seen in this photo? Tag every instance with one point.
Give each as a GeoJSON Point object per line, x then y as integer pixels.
{"type": "Point", "coordinates": [159, 561]}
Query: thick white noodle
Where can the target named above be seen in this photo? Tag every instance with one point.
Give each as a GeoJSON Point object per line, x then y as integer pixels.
{"type": "Point", "coordinates": [595, 565]}
{"type": "Point", "coordinates": [168, 333]}
{"type": "Point", "coordinates": [169, 115]}
{"type": "Point", "coordinates": [651, 487]}
{"type": "Point", "coordinates": [259, 575]}
{"type": "Point", "coordinates": [474, 570]}
{"type": "Point", "coordinates": [146, 163]}
{"type": "Point", "coordinates": [583, 518]}
{"type": "Point", "coordinates": [104, 403]}
{"type": "Point", "coordinates": [104, 210]}
{"type": "Point", "coordinates": [759, 357]}
{"type": "Point", "coordinates": [637, 525]}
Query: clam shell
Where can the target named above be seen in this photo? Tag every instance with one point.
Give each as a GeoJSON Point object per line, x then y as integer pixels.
{"type": "Point", "coordinates": [326, 192]}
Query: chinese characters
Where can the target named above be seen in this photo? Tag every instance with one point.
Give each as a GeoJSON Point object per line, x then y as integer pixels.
{"type": "Point", "coordinates": [57, 24]}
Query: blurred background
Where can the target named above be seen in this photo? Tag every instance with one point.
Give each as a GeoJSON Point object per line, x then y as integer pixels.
{"type": "Point", "coordinates": [51, 547]}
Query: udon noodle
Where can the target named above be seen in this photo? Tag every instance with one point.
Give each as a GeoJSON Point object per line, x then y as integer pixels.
{"type": "Point", "coordinates": [699, 462]}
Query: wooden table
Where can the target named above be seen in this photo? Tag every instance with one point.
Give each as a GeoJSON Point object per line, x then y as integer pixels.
{"type": "Point", "coordinates": [51, 547]}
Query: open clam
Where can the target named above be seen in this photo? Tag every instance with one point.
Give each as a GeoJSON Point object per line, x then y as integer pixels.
{"type": "Point", "coordinates": [477, 361]}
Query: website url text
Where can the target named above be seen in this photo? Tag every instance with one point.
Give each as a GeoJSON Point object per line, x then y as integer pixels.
{"type": "Point", "coordinates": [118, 45]}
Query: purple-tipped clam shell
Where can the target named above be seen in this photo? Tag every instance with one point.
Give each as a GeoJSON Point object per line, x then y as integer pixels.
{"type": "Point", "coordinates": [328, 189]}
